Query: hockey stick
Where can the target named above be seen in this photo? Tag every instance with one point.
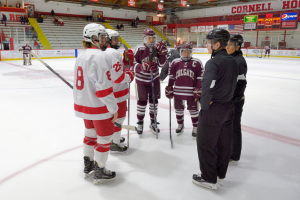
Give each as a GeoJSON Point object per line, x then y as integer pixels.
{"type": "Point", "coordinates": [128, 127]}
{"type": "Point", "coordinates": [128, 121]}
{"type": "Point", "coordinates": [170, 123]}
{"type": "Point", "coordinates": [153, 94]}
{"type": "Point", "coordinates": [54, 72]}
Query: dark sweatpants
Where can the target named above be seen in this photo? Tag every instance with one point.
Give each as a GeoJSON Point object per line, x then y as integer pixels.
{"type": "Point", "coordinates": [237, 131]}
{"type": "Point", "coordinates": [214, 137]}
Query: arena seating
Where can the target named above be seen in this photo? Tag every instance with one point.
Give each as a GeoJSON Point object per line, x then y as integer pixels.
{"type": "Point", "coordinates": [10, 30]}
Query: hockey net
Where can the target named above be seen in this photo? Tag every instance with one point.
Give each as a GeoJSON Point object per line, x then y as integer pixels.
{"type": "Point", "coordinates": [254, 52]}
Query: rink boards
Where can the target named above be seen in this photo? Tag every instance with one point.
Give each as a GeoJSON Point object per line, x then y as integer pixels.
{"type": "Point", "coordinates": [73, 53]}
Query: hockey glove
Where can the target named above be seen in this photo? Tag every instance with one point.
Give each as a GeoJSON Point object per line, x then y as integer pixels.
{"type": "Point", "coordinates": [162, 48]}
{"type": "Point", "coordinates": [169, 92]}
{"type": "Point", "coordinates": [130, 73]}
{"type": "Point", "coordinates": [197, 93]}
{"type": "Point", "coordinates": [148, 66]}
{"type": "Point", "coordinates": [126, 56]}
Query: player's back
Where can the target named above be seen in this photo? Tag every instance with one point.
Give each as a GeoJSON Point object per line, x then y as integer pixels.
{"type": "Point", "coordinates": [91, 68]}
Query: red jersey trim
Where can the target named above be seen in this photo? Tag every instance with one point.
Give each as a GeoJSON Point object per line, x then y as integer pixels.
{"type": "Point", "coordinates": [121, 93]}
{"type": "Point", "coordinates": [120, 79]}
{"type": "Point", "coordinates": [104, 93]}
{"type": "Point", "coordinates": [90, 110]}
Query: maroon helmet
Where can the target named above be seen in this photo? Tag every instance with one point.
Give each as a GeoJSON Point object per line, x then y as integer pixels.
{"type": "Point", "coordinates": [186, 47]}
{"type": "Point", "coordinates": [149, 32]}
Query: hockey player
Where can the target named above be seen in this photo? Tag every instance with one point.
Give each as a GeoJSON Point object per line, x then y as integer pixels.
{"type": "Point", "coordinates": [142, 67]}
{"type": "Point", "coordinates": [172, 54]}
{"type": "Point", "coordinates": [186, 74]}
{"type": "Point", "coordinates": [94, 101]}
{"type": "Point", "coordinates": [26, 54]}
{"type": "Point", "coordinates": [214, 131]}
{"type": "Point", "coordinates": [267, 51]}
{"type": "Point", "coordinates": [120, 81]}
{"type": "Point", "coordinates": [234, 48]}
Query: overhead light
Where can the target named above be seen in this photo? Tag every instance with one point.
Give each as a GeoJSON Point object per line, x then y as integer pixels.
{"type": "Point", "coordinates": [188, 5]}
{"type": "Point", "coordinates": [161, 1]}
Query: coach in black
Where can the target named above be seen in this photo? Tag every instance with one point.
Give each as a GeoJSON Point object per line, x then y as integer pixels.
{"type": "Point", "coordinates": [214, 132]}
{"type": "Point", "coordinates": [234, 49]}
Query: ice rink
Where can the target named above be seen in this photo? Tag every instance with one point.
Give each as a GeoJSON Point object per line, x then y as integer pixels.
{"type": "Point", "coordinates": [41, 141]}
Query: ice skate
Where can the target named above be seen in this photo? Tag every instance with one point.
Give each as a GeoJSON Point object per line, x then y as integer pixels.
{"type": "Point", "coordinates": [102, 175]}
{"type": "Point", "coordinates": [152, 127]}
{"type": "Point", "coordinates": [198, 180]}
{"type": "Point", "coordinates": [194, 132]}
{"type": "Point", "coordinates": [140, 128]}
{"type": "Point", "coordinates": [88, 167]}
{"type": "Point", "coordinates": [180, 129]}
{"type": "Point", "coordinates": [233, 161]}
{"type": "Point", "coordinates": [220, 181]}
{"type": "Point", "coordinates": [117, 148]}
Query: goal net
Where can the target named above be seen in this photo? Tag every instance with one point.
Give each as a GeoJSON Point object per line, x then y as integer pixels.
{"type": "Point", "coordinates": [254, 52]}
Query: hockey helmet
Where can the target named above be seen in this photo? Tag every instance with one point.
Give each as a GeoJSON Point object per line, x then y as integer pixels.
{"type": "Point", "coordinates": [186, 51]}
{"type": "Point", "coordinates": [114, 39]}
{"type": "Point", "coordinates": [92, 30]}
{"type": "Point", "coordinates": [237, 39]}
{"type": "Point", "coordinates": [221, 35]}
{"type": "Point", "coordinates": [149, 37]}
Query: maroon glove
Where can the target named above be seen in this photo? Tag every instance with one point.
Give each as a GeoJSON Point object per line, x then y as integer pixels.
{"type": "Point", "coordinates": [148, 66]}
{"type": "Point", "coordinates": [169, 92]}
{"type": "Point", "coordinates": [162, 48]}
{"type": "Point", "coordinates": [197, 93]}
{"type": "Point", "coordinates": [126, 55]}
{"type": "Point", "coordinates": [130, 73]}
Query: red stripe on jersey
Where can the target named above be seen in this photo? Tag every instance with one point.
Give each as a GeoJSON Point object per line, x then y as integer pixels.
{"type": "Point", "coordinates": [121, 93]}
{"type": "Point", "coordinates": [104, 93]}
{"type": "Point", "coordinates": [90, 110]}
{"type": "Point", "coordinates": [120, 79]}
{"type": "Point", "coordinates": [90, 141]}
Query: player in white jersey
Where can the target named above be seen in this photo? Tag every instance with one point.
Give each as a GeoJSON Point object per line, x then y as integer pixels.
{"type": "Point", "coordinates": [26, 54]}
{"type": "Point", "coordinates": [94, 101]}
{"type": "Point", "coordinates": [120, 81]}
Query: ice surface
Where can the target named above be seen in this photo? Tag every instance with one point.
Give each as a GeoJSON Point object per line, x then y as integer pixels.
{"type": "Point", "coordinates": [41, 141]}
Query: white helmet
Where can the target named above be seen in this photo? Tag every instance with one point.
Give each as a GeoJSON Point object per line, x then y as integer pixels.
{"type": "Point", "coordinates": [111, 34]}
{"type": "Point", "coordinates": [93, 29]}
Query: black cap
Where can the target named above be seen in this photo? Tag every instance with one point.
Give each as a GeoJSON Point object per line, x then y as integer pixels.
{"type": "Point", "coordinates": [237, 39]}
{"type": "Point", "coordinates": [219, 34]}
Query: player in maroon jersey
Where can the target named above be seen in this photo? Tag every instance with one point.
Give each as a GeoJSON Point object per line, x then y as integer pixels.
{"type": "Point", "coordinates": [267, 51]}
{"type": "Point", "coordinates": [26, 54]}
{"type": "Point", "coordinates": [142, 67]}
{"type": "Point", "coordinates": [185, 75]}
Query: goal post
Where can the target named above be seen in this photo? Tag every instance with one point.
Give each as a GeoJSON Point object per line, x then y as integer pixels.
{"type": "Point", "coordinates": [254, 52]}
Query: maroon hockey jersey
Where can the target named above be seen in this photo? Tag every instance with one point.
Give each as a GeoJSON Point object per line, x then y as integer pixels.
{"type": "Point", "coordinates": [185, 76]}
{"type": "Point", "coordinates": [142, 54]}
{"type": "Point", "coordinates": [26, 49]}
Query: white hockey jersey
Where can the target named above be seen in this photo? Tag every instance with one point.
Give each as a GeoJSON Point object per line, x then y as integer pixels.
{"type": "Point", "coordinates": [119, 79]}
{"type": "Point", "coordinates": [93, 91]}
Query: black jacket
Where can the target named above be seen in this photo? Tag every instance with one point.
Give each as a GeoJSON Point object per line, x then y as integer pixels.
{"type": "Point", "coordinates": [219, 79]}
{"type": "Point", "coordinates": [4, 18]}
{"type": "Point", "coordinates": [241, 81]}
{"type": "Point", "coordinates": [173, 54]}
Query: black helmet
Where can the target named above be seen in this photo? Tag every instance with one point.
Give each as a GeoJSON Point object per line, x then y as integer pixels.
{"type": "Point", "coordinates": [218, 34]}
{"type": "Point", "coordinates": [237, 39]}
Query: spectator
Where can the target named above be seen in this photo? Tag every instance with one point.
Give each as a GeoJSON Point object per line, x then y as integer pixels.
{"type": "Point", "coordinates": [36, 44]}
{"type": "Point", "coordinates": [224, 18]}
{"type": "Point", "coordinates": [56, 21]}
{"type": "Point", "coordinates": [3, 19]}
{"type": "Point", "coordinates": [118, 27]}
{"type": "Point", "coordinates": [22, 19]}
{"type": "Point", "coordinates": [52, 13]}
{"type": "Point", "coordinates": [133, 24]}
{"type": "Point", "coordinates": [122, 27]}
{"type": "Point", "coordinates": [92, 18]}
{"type": "Point", "coordinates": [87, 17]}
{"type": "Point", "coordinates": [0, 4]}
{"type": "Point", "coordinates": [26, 29]}
{"type": "Point", "coordinates": [26, 20]}
{"type": "Point", "coordinates": [34, 35]}
{"type": "Point", "coordinates": [18, 5]}
{"type": "Point", "coordinates": [61, 22]}
{"type": "Point", "coordinates": [99, 17]}
{"type": "Point", "coordinates": [137, 20]}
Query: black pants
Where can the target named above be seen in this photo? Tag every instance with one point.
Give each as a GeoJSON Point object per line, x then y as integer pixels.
{"type": "Point", "coordinates": [237, 131]}
{"type": "Point", "coordinates": [214, 136]}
